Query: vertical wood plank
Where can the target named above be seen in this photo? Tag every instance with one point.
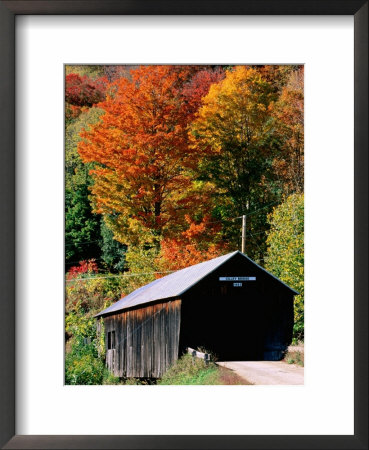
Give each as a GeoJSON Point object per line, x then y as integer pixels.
{"type": "Point", "coordinates": [147, 340]}
{"type": "Point", "coordinates": [134, 343]}
{"type": "Point", "coordinates": [124, 371]}
{"type": "Point", "coordinates": [152, 342]}
{"type": "Point", "coordinates": [129, 343]}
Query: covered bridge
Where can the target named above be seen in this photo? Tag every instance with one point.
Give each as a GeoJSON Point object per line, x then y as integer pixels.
{"type": "Point", "coordinates": [228, 305]}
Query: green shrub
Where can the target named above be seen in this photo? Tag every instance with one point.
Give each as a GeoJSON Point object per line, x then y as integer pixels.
{"type": "Point", "coordinates": [84, 370]}
{"type": "Point", "coordinates": [82, 364]}
{"type": "Point", "coordinates": [78, 323]}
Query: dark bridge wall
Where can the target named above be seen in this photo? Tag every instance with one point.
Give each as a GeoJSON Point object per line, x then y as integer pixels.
{"type": "Point", "coordinates": [252, 322]}
{"type": "Point", "coordinates": [146, 340]}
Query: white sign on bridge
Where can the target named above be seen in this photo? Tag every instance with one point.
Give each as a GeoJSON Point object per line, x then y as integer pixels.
{"type": "Point", "coordinates": [237, 278]}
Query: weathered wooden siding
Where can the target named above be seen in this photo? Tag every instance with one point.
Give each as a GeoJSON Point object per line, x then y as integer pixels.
{"type": "Point", "coordinates": [147, 340]}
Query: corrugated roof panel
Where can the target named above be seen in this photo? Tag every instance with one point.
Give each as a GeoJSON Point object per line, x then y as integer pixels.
{"type": "Point", "coordinates": [175, 284]}
{"type": "Point", "coordinates": [172, 285]}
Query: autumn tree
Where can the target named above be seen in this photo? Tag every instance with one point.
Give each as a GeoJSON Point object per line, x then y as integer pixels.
{"type": "Point", "coordinates": [288, 115]}
{"type": "Point", "coordinates": [142, 157]}
{"type": "Point", "coordinates": [232, 133]}
{"type": "Point", "coordinates": [82, 92]}
{"type": "Point", "coordinates": [199, 242]}
{"type": "Point", "coordinates": [114, 72]}
{"type": "Point", "coordinates": [276, 75]}
{"type": "Point", "coordinates": [198, 87]}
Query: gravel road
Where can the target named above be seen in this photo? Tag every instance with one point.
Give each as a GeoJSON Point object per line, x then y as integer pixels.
{"type": "Point", "coordinates": [267, 372]}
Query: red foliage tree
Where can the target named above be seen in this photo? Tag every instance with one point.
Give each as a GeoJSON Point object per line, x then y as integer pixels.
{"type": "Point", "coordinates": [82, 91]}
{"type": "Point", "coordinates": [198, 87]}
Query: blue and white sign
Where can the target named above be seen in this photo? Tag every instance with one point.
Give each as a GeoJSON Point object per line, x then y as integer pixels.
{"type": "Point", "coordinates": [237, 278]}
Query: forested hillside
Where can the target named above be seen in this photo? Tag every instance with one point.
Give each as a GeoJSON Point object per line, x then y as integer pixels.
{"type": "Point", "coordinates": [161, 164]}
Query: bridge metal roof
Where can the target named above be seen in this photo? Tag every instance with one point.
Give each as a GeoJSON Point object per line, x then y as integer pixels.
{"type": "Point", "coordinates": [175, 284]}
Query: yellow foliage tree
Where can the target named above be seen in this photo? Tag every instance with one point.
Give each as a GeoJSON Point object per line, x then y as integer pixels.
{"type": "Point", "coordinates": [285, 257]}
{"type": "Point", "coordinates": [232, 134]}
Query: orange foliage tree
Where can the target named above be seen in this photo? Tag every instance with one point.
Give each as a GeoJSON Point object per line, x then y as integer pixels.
{"type": "Point", "coordinates": [200, 242]}
{"type": "Point", "coordinates": [143, 162]}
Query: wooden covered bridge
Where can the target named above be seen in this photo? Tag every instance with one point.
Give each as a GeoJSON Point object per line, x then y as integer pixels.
{"type": "Point", "coordinates": [228, 305]}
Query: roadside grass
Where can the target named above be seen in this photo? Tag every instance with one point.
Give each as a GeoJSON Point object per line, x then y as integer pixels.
{"type": "Point", "coordinates": [194, 371]}
{"type": "Point", "coordinates": [294, 358]}
{"type": "Point", "coordinates": [185, 371]}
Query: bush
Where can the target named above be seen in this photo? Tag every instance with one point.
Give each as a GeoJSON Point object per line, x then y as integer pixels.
{"type": "Point", "coordinates": [82, 364]}
{"type": "Point", "coordinates": [84, 370]}
{"type": "Point", "coordinates": [92, 294]}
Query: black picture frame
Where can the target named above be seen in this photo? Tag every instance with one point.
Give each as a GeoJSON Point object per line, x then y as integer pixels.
{"type": "Point", "coordinates": [8, 12]}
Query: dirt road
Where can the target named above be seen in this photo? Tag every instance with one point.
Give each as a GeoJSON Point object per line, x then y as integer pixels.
{"type": "Point", "coordinates": [267, 372]}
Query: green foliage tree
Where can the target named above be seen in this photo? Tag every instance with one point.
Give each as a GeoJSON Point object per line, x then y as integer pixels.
{"type": "Point", "coordinates": [112, 252]}
{"type": "Point", "coordinates": [82, 226]}
{"type": "Point", "coordinates": [285, 256]}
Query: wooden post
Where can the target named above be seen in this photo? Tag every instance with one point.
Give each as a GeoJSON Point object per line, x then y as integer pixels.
{"type": "Point", "coordinates": [243, 249]}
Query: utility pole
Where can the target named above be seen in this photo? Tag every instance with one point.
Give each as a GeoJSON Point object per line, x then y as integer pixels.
{"type": "Point", "coordinates": [243, 250]}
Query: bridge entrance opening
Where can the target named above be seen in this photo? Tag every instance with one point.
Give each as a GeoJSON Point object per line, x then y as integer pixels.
{"type": "Point", "coordinates": [232, 333]}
